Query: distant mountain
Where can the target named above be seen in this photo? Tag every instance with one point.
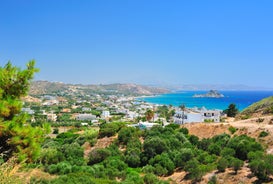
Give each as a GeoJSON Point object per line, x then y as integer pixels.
{"type": "Point", "coordinates": [206, 87]}
{"type": "Point", "coordinates": [263, 107]}
{"type": "Point", "coordinates": [46, 87]}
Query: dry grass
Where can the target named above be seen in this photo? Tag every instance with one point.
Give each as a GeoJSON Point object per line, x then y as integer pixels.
{"type": "Point", "coordinates": [8, 171]}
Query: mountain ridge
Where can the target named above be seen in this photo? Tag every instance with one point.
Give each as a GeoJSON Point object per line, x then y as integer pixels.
{"type": "Point", "coordinates": [45, 87]}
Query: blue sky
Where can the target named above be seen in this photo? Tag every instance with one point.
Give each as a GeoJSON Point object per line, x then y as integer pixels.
{"type": "Point", "coordinates": [141, 41]}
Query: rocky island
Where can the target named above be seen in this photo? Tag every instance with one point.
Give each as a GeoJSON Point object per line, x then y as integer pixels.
{"type": "Point", "coordinates": [210, 94]}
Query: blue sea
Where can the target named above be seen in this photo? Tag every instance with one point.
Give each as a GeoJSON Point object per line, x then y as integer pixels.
{"type": "Point", "coordinates": [242, 99]}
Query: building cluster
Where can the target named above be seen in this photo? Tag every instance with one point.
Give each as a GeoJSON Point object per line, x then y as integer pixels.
{"type": "Point", "coordinates": [96, 108]}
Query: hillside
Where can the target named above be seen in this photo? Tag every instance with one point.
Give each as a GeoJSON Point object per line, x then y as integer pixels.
{"type": "Point", "coordinates": [45, 87]}
{"type": "Point", "coordinates": [263, 107]}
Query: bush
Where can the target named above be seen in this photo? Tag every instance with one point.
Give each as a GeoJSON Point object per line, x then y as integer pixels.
{"type": "Point", "coordinates": [260, 120]}
{"type": "Point", "coordinates": [132, 157]}
{"type": "Point", "coordinates": [126, 133]}
{"type": "Point", "coordinates": [262, 167]}
{"type": "Point", "coordinates": [110, 129]}
{"type": "Point", "coordinates": [227, 152]}
{"type": "Point", "coordinates": [51, 156]}
{"type": "Point", "coordinates": [213, 180]}
{"type": "Point", "coordinates": [133, 178]}
{"type": "Point", "coordinates": [73, 153]}
{"type": "Point", "coordinates": [150, 179]}
{"type": "Point", "coordinates": [222, 164]}
{"type": "Point", "coordinates": [98, 155]}
{"type": "Point", "coordinates": [66, 137]}
{"type": "Point", "coordinates": [183, 156]}
{"type": "Point", "coordinates": [60, 168]}
{"type": "Point", "coordinates": [236, 164]}
{"type": "Point", "coordinates": [154, 146]}
{"type": "Point", "coordinates": [232, 129]}
{"type": "Point", "coordinates": [55, 131]}
{"type": "Point", "coordinates": [243, 145]}
{"type": "Point", "coordinates": [194, 170]}
{"type": "Point", "coordinates": [74, 178]}
{"type": "Point", "coordinates": [185, 131]}
{"type": "Point", "coordinates": [163, 164]}
{"type": "Point", "coordinates": [263, 134]}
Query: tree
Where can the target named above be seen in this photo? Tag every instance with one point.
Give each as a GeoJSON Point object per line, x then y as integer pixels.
{"type": "Point", "coordinates": [222, 164]}
{"type": "Point", "coordinates": [16, 135]}
{"type": "Point", "coordinates": [236, 164]}
{"type": "Point", "coordinates": [231, 111]}
{"type": "Point", "coordinates": [182, 107]}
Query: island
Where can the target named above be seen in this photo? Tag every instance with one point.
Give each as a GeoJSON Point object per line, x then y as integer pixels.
{"type": "Point", "coordinates": [210, 94]}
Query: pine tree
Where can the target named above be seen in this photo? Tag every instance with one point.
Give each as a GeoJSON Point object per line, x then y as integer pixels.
{"type": "Point", "coordinates": [231, 111]}
{"type": "Point", "coordinates": [17, 137]}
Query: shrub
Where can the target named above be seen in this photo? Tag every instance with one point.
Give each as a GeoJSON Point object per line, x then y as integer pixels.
{"type": "Point", "coordinates": [132, 157]}
{"type": "Point", "coordinates": [243, 145]}
{"type": "Point", "coordinates": [263, 134]}
{"type": "Point", "coordinates": [110, 129]}
{"type": "Point", "coordinates": [72, 178]}
{"type": "Point", "coordinates": [185, 131]}
{"type": "Point", "coordinates": [60, 168]}
{"type": "Point", "coordinates": [214, 149]}
{"type": "Point", "coordinates": [163, 164]}
{"type": "Point", "coordinates": [150, 179]}
{"type": "Point", "coordinates": [55, 131]}
{"type": "Point", "coordinates": [51, 156]}
{"type": "Point", "coordinates": [213, 180]}
{"type": "Point", "coordinates": [262, 167]}
{"type": "Point", "coordinates": [183, 156]}
{"type": "Point", "coordinates": [154, 146]}
{"type": "Point", "coordinates": [236, 164]}
{"type": "Point", "coordinates": [98, 155]}
{"type": "Point", "coordinates": [222, 164]}
{"type": "Point", "coordinates": [125, 134]}
{"type": "Point", "coordinates": [133, 178]}
{"type": "Point", "coordinates": [194, 170]}
{"type": "Point", "coordinates": [260, 120]}
{"type": "Point", "coordinates": [232, 129]}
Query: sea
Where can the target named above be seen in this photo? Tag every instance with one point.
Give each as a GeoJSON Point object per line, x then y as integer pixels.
{"type": "Point", "coordinates": [242, 99]}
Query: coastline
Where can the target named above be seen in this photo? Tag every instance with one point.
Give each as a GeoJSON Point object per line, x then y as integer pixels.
{"type": "Point", "coordinates": [242, 99]}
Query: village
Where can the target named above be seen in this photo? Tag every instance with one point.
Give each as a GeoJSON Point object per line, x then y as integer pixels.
{"type": "Point", "coordinates": [74, 109]}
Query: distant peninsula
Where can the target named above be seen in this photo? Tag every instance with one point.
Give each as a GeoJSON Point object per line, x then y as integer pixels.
{"type": "Point", "coordinates": [210, 94]}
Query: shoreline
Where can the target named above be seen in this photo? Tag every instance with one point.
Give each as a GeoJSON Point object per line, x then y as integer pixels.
{"type": "Point", "coordinates": [242, 99]}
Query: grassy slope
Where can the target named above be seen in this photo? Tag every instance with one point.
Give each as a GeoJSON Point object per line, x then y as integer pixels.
{"type": "Point", "coordinates": [265, 106]}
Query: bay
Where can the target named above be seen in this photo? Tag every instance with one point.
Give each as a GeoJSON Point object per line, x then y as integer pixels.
{"type": "Point", "coordinates": [242, 99]}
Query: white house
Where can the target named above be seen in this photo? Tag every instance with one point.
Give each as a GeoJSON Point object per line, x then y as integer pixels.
{"type": "Point", "coordinates": [85, 117]}
{"type": "Point", "coordinates": [105, 114]}
{"type": "Point", "coordinates": [28, 110]}
{"type": "Point", "coordinates": [197, 115]}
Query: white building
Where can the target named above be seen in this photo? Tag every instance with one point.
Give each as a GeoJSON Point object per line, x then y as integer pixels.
{"type": "Point", "coordinates": [132, 115]}
{"type": "Point", "coordinates": [28, 110]}
{"type": "Point", "coordinates": [85, 117]}
{"type": "Point", "coordinates": [105, 114]}
{"type": "Point", "coordinates": [197, 115]}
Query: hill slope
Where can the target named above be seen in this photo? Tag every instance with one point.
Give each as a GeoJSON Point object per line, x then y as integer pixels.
{"type": "Point", "coordinates": [263, 107]}
{"type": "Point", "coordinates": [45, 87]}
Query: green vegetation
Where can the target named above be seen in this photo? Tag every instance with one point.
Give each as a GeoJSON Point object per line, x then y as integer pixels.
{"type": "Point", "coordinates": [265, 106]}
{"type": "Point", "coordinates": [232, 129]}
{"type": "Point", "coordinates": [263, 134]}
{"type": "Point", "coordinates": [131, 155]}
{"type": "Point", "coordinates": [231, 111]}
{"type": "Point", "coordinates": [17, 137]}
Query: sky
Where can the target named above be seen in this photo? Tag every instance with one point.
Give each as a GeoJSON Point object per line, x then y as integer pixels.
{"type": "Point", "coordinates": [141, 41]}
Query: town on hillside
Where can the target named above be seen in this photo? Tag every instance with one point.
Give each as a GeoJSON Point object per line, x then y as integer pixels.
{"type": "Point", "coordinates": [74, 108]}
